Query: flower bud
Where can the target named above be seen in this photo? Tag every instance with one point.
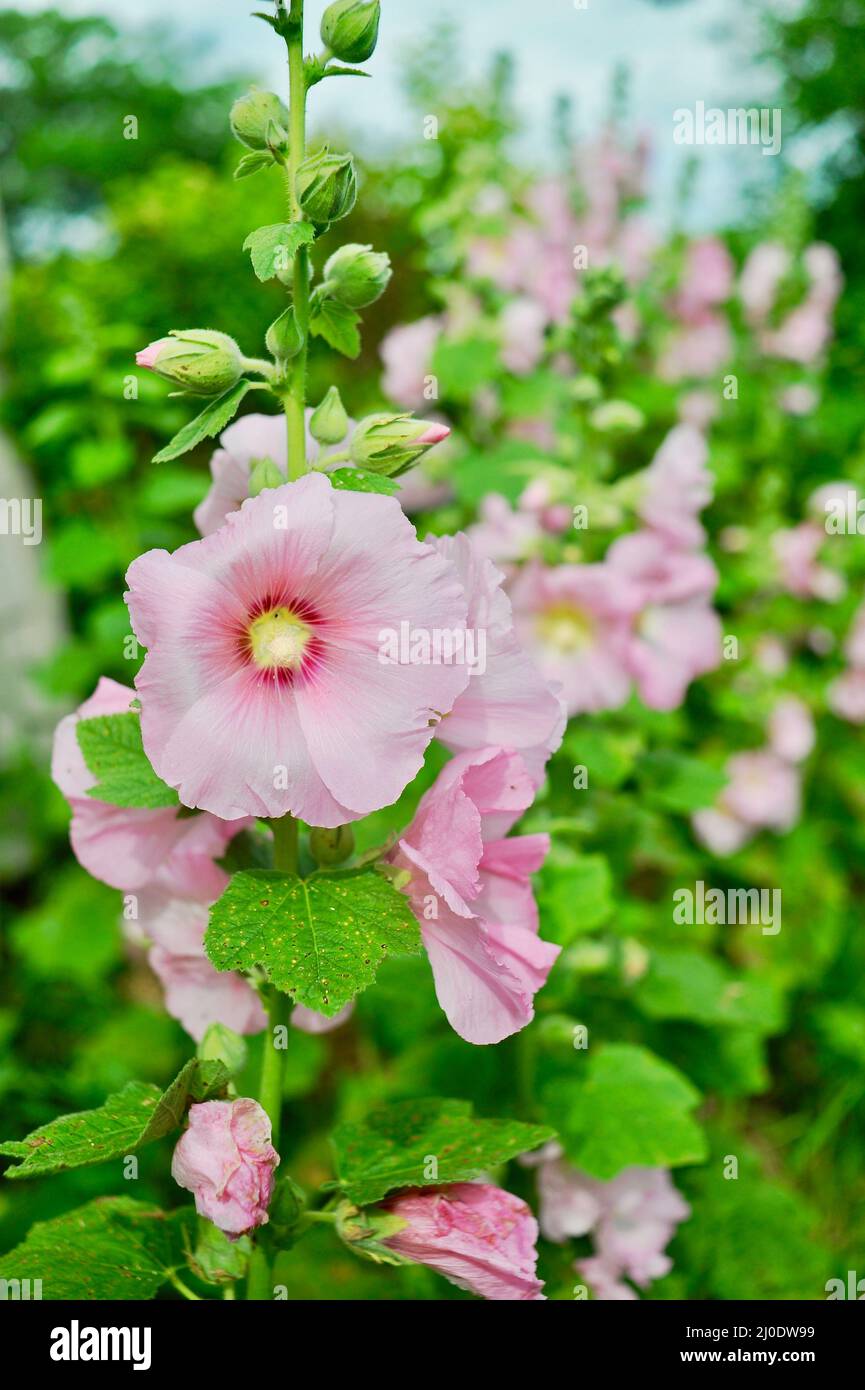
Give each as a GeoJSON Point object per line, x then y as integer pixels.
{"type": "Point", "coordinates": [365, 1232]}
{"type": "Point", "coordinates": [284, 338]}
{"type": "Point", "coordinates": [357, 275]}
{"type": "Point", "coordinates": [617, 417]}
{"type": "Point", "coordinates": [198, 359]}
{"type": "Point", "coordinates": [391, 443]}
{"type": "Point", "coordinates": [327, 186]}
{"type": "Point", "coordinates": [329, 422]}
{"type": "Point", "coordinates": [222, 1044]}
{"type": "Point", "coordinates": [331, 846]}
{"type": "Point", "coordinates": [263, 473]}
{"type": "Point", "coordinates": [349, 28]}
{"type": "Point", "coordinates": [251, 115]}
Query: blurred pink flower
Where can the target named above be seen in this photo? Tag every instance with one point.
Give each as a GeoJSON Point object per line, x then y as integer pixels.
{"type": "Point", "coordinates": [846, 696]}
{"type": "Point", "coordinates": [503, 534]}
{"type": "Point", "coordinates": [762, 273]}
{"type": "Point", "coordinates": [795, 551]}
{"type": "Point", "coordinates": [677, 486]}
{"type": "Point", "coordinates": [698, 350]}
{"type": "Point", "coordinates": [131, 848]}
{"type": "Point", "coordinates": [478, 1236]}
{"type": "Point", "coordinates": [225, 1158]}
{"type": "Point", "coordinates": [407, 354]}
{"type": "Point", "coordinates": [470, 890]}
{"type": "Point", "coordinates": [707, 280]}
{"type": "Point", "coordinates": [309, 1021]}
{"type": "Point", "coordinates": [764, 792]}
{"type": "Point", "coordinates": [263, 690]}
{"type": "Point", "coordinates": [791, 729]}
{"type": "Point", "coordinates": [522, 325]}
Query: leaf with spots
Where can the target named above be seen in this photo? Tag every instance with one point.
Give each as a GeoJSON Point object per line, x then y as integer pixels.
{"type": "Point", "coordinates": [395, 1147]}
{"type": "Point", "coordinates": [320, 939]}
{"type": "Point", "coordinates": [114, 754]}
{"type": "Point", "coordinates": [135, 1116]}
{"type": "Point", "coordinates": [113, 1248]}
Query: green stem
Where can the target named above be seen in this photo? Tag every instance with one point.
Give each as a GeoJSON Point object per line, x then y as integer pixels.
{"type": "Point", "coordinates": [175, 1280]}
{"type": "Point", "coordinates": [295, 400]}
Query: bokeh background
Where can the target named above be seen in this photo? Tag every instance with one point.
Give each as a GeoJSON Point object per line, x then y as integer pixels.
{"type": "Point", "coordinates": [108, 242]}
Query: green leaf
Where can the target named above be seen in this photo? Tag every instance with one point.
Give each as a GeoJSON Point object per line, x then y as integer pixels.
{"type": "Point", "coordinates": [321, 939]}
{"type": "Point", "coordinates": [576, 896]}
{"type": "Point", "coordinates": [112, 749]}
{"type": "Point", "coordinates": [273, 248]}
{"type": "Point", "coordinates": [463, 367]}
{"type": "Point", "coordinates": [689, 985]}
{"type": "Point", "coordinates": [212, 419]}
{"type": "Point", "coordinates": [630, 1109]}
{"type": "Point", "coordinates": [113, 1248]}
{"type": "Point", "coordinates": [608, 757]}
{"type": "Point", "coordinates": [333, 70]}
{"type": "Point", "coordinates": [393, 1147]}
{"type": "Point", "coordinates": [135, 1116]}
{"type": "Point", "coordinates": [338, 325]}
{"type": "Point", "coordinates": [359, 480]}
{"type": "Point", "coordinates": [252, 162]}
{"type": "Point", "coordinates": [677, 783]}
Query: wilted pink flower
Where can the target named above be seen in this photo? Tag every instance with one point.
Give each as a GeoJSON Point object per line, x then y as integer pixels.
{"type": "Point", "coordinates": [677, 635]}
{"type": "Point", "coordinates": [263, 691]}
{"type": "Point", "coordinates": [677, 485]}
{"type": "Point", "coordinates": [507, 702]}
{"type": "Point", "coordinates": [575, 621]}
{"type": "Point", "coordinates": [246, 442]}
{"type": "Point", "coordinates": [471, 892]}
{"type": "Point", "coordinates": [131, 848]}
{"type": "Point", "coordinates": [796, 550]}
{"type": "Point", "coordinates": [407, 353]}
{"type": "Point", "coordinates": [225, 1158]}
{"type": "Point", "coordinates": [478, 1236]}
{"type": "Point", "coordinates": [522, 325]}
{"type": "Point", "coordinates": [195, 992]}
{"type": "Point", "coordinates": [791, 729]}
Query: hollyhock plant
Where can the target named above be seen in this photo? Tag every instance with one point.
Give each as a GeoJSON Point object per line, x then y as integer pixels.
{"type": "Point", "coordinates": [479, 1237]}
{"type": "Point", "coordinates": [131, 847]}
{"type": "Point", "coordinates": [470, 889]}
{"type": "Point", "coordinates": [264, 655]}
{"type": "Point", "coordinates": [764, 792]}
{"type": "Point", "coordinates": [226, 1160]}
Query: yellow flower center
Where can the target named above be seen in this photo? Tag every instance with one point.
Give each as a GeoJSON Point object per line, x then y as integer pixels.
{"type": "Point", "coordinates": [565, 627]}
{"type": "Point", "coordinates": [279, 639]}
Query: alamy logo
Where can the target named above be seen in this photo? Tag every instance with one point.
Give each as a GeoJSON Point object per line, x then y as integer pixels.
{"type": "Point", "coordinates": [438, 646]}
{"type": "Point", "coordinates": [20, 1290]}
{"type": "Point", "coordinates": [739, 125]}
{"type": "Point", "coordinates": [699, 906]}
{"type": "Point", "coordinates": [76, 1343]}
{"type": "Point", "coordinates": [853, 1289]}
{"type": "Point", "coordinates": [21, 516]}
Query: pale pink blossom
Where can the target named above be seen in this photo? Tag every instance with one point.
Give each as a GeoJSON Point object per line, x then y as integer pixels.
{"type": "Point", "coordinates": [575, 621]}
{"type": "Point", "coordinates": [677, 635]}
{"type": "Point", "coordinates": [677, 486]}
{"type": "Point", "coordinates": [697, 350]}
{"type": "Point", "coordinates": [721, 832]}
{"type": "Point", "coordinates": [508, 703]}
{"type": "Point", "coordinates": [766, 266]}
{"type": "Point", "coordinates": [131, 847]}
{"type": "Point", "coordinates": [195, 992]}
{"type": "Point", "coordinates": [522, 326]}
{"type": "Point", "coordinates": [846, 696]}
{"type": "Point", "coordinates": [764, 792]}
{"type": "Point", "coordinates": [791, 729]}
{"type": "Point", "coordinates": [504, 534]}
{"type": "Point", "coordinates": [407, 354]}
{"type": "Point", "coordinates": [796, 551]}
{"type": "Point", "coordinates": [479, 1237]}
{"type": "Point", "coordinates": [698, 409]}
{"type": "Point", "coordinates": [799, 399]}
{"type": "Point", "coordinates": [225, 1158]}
{"type": "Point", "coordinates": [470, 889]}
{"type": "Point", "coordinates": [802, 336]}
{"type": "Point", "coordinates": [263, 691]}
{"type": "Point", "coordinates": [707, 280]}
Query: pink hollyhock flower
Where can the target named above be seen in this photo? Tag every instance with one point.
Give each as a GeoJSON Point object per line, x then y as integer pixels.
{"type": "Point", "coordinates": [539, 498]}
{"type": "Point", "coordinates": [523, 327]}
{"type": "Point", "coordinates": [471, 892]}
{"type": "Point", "coordinates": [407, 354]}
{"type": "Point", "coordinates": [795, 551]}
{"type": "Point", "coordinates": [131, 848]}
{"type": "Point", "coordinates": [264, 690]}
{"type": "Point", "coordinates": [225, 1158]}
{"type": "Point", "coordinates": [504, 535]}
{"type": "Point", "coordinates": [677, 636]}
{"type": "Point", "coordinates": [677, 486]}
{"type": "Point", "coordinates": [698, 350]}
{"type": "Point", "coordinates": [604, 1282]}
{"type": "Point", "coordinates": [248, 440]}
{"type": "Point", "coordinates": [479, 1237]}
{"type": "Point", "coordinates": [708, 279]}
{"type": "Point", "coordinates": [195, 993]}
{"type": "Point", "coordinates": [761, 277]}
{"type": "Point", "coordinates": [570, 1201]}
{"type": "Point", "coordinates": [575, 621]}
{"type": "Point", "coordinates": [418, 492]}
{"type": "Point", "coordinates": [846, 697]}
{"type": "Point", "coordinates": [791, 730]}
{"type": "Point", "coordinates": [641, 1210]}
{"type": "Point", "coordinates": [764, 792]}
{"type": "Point", "coordinates": [722, 833]}
{"type": "Point", "coordinates": [802, 336]}
{"type": "Point", "coordinates": [507, 703]}
{"type": "Point", "coordinates": [698, 409]}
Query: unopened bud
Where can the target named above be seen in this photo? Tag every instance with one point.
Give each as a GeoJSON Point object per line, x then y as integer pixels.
{"type": "Point", "coordinates": [327, 186]}
{"type": "Point", "coordinates": [263, 474]}
{"type": "Point", "coordinates": [251, 116]}
{"type": "Point", "coordinates": [222, 1044]}
{"type": "Point", "coordinates": [349, 28]}
{"type": "Point", "coordinates": [329, 422]}
{"type": "Point", "coordinates": [198, 359]}
{"type": "Point", "coordinates": [329, 847]}
{"type": "Point", "coordinates": [617, 417]}
{"type": "Point", "coordinates": [357, 275]}
{"type": "Point", "coordinates": [283, 338]}
{"type": "Point", "coordinates": [391, 443]}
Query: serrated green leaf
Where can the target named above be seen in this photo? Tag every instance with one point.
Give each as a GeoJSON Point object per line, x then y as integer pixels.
{"type": "Point", "coordinates": [629, 1109]}
{"type": "Point", "coordinates": [113, 1248]}
{"type": "Point", "coordinates": [393, 1147]}
{"type": "Point", "coordinates": [338, 325]}
{"type": "Point", "coordinates": [321, 939]}
{"type": "Point", "coordinates": [334, 70]}
{"type": "Point", "coordinates": [112, 749]}
{"type": "Point", "coordinates": [135, 1116]}
{"type": "Point", "coordinates": [684, 984]}
{"type": "Point", "coordinates": [251, 163]}
{"type": "Point", "coordinates": [273, 248]}
{"type": "Point", "coordinates": [212, 419]}
{"type": "Point", "coordinates": [359, 480]}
